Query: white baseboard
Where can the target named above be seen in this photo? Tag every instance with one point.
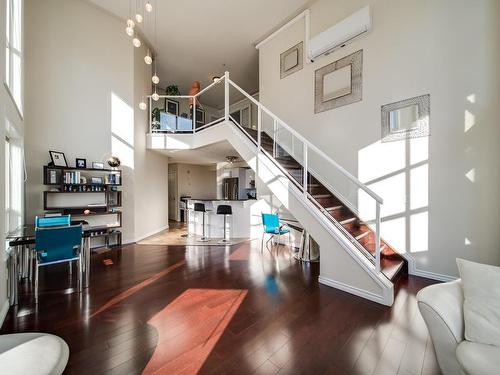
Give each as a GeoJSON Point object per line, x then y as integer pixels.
{"type": "Point", "coordinates": [3, 311]}
{"type": "Point", "coordinates": [412, 270]}
{"type": "Point", "coordinates": [384, 300]}
{"type": "Point", "coordinates": [149, 234]}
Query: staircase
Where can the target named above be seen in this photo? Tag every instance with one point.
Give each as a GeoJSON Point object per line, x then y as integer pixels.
{"type": "Point", "coordinates": [392, 264]}
{"type": "Point", "coordinates": [353, 256]}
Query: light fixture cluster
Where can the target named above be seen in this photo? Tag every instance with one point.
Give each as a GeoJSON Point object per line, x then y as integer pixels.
{"type": "Point", "coordinates": [134, 20]}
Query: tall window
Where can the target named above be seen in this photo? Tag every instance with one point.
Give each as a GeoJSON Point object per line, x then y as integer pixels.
{"type": "Point", "coordinates": [13, 50]}
{"type": "Point", "coordinates": [7, 185]}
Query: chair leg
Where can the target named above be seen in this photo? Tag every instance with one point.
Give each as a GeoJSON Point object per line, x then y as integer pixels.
{"type": "Point", "coordinates": [36, 283]}
{"type": "Point", "coordinates": [80, 273]}
{"type": "Point", "coordinates": [262, 242]}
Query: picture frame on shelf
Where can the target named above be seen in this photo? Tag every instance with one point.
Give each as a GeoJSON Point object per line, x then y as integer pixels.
{"type": "Point", "coordinates": [97, 165]}
{"type": "Point", "coordinates": [58, 158]}
{"type": "Point", "coordinates": [81, 163]}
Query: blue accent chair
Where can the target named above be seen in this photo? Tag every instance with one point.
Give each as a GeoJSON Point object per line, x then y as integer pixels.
{"type": "Point", "coordinates": [54, 221]}
{"type": "Point", "coordinates": [58, 244]}
{"type": "Point", "coordinates": [273, 227]}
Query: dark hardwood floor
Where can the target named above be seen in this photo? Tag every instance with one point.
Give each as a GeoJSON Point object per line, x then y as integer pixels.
{"type": "Point", "coordinates": [217, 310]}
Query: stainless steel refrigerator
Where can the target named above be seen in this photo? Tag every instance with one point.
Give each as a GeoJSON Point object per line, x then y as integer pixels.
{"type": "Point", "coordinates": [230, 188]}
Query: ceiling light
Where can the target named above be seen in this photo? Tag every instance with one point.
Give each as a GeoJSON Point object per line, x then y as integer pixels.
{"type": "Point", "coordinates": [138, 18]}
{"type": "Point", "coordinates": [215, 78]}
{"type": "Point", "coordinates": [231, 159]}
{"type": "Point", "coordinates": [130, 23]}
{"type": "Point", "coordinates": [136, 42]}
{"type": "Point", "coordinates": [129, 30]}
{"type": "Point", "coordinates": [149, 7]}
{"type": "Point", "coordinates": [142, 105]}
{"type": "Point", "coordinates": [155, 79]}
{"type": "Point", "coordinates": [148, 59]}
{"type": "Point", "coordinates": [155, 96]}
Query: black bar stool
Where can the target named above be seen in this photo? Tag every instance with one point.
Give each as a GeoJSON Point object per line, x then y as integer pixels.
{"type": "Point", "coordinates": [200, 207]}
{"type": "Point", "coordinates": [224, 209]}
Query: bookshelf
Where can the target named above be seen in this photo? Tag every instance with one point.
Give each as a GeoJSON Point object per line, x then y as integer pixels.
{"type": "Point", "coordinates": [88, 194]}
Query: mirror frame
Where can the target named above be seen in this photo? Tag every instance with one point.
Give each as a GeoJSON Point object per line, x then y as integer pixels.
{"type": "Point", "coordinates": [421, 130]}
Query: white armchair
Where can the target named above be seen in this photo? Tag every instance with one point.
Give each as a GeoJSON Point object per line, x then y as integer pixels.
{"type": "Point", "coordinates": [441, 306]}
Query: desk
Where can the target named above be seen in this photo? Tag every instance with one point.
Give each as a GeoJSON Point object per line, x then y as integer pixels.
{"type": "Point", "coordinates": [24, 236]}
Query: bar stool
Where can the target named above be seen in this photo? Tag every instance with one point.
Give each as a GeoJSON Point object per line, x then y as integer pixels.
{"type": "Point", "coordinates": [200, 207]}
{"type": "Point", "coordinates": [189, 210]}
{"type": "Point", "coordinates": [224, 209]}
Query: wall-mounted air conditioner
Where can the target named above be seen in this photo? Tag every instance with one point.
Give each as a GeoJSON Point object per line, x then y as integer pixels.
{"type": "Point", "coordinates": [340, 34]}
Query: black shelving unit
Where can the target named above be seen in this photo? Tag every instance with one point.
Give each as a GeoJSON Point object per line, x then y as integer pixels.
{"type": "Point", "coordinates": [72, 181]}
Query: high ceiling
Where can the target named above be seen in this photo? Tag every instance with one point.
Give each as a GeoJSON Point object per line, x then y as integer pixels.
{"type": "Point", "coordinates": [199, 39]}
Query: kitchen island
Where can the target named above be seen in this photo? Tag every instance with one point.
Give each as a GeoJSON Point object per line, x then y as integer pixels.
{"type": "Point", "coordinates": [245, 222]}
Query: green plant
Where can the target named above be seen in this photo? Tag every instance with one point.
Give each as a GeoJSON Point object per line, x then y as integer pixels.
{"type": "Point", "coordinates": [155, 114]}
{"type": "Point", "coordinates": [172, 90]}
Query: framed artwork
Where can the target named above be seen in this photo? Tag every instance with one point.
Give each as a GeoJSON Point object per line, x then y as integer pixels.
{"type": "Point", "coordinates": [97, 165]}
{"type": "Point", "coordinates": [81, 163]}
{"type": "Point", "coordinates": [292, 60]}
{"type": "Point", "coordinates": [339, 83]}
{"type": "Point", "coordinates": [172, 106]}
{"type": "Point", "coordinates": [58, 158]}
{"type": "Point", "coordinates": [406, 119]}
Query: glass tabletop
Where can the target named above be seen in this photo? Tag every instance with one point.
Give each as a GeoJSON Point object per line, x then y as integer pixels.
{"type": "Point", "coordinates": [27, 232]}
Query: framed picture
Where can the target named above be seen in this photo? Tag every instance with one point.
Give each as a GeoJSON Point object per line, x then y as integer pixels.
{"type": "Point", "coordinates": [97, 165]}
{"type": "Point", "coordinates": [58, 158]}
{"type": "Point", "coordinates": [81, 163]}
{"type": "Point", "coordinates": [96, 180]}
{"type": "Point", "coordinates": [291, 60]}
{"type": "Point", "coordinates": [172, 106]}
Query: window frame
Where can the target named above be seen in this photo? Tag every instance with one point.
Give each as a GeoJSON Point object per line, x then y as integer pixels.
{"type": "Point", "coordinates": [11, 51]}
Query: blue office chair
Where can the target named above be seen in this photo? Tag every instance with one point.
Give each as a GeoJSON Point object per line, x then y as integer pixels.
{"type": "Point", "coordinates": [272, 226]}
{"type": "Point", "coordinates": [57, 245]}
{"type": "Point", "coordinates": [53, 221]}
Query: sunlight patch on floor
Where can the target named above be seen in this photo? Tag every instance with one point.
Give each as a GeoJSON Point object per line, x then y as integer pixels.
{"type": "Point", "coordinates": [189, 328]}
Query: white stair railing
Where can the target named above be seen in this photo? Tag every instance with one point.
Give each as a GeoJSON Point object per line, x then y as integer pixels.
{"type": "Point", "coordinates": [306, 149]}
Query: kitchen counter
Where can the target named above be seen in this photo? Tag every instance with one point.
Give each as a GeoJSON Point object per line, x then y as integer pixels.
{"type": "Point", "coordinates": [243, 223]}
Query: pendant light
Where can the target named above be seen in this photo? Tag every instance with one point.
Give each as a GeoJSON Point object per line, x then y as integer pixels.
{"type": "Point", "coordinates": [129, 30]}
{"type": "Point", "coordinates": [142, 105]}
{"type": "Point", "coordinates": [155, 79]}
{"type": "Point", "coordinates": [138, 18]}
{"type": "Point", "coordinates": [130, 23]}
{"type": "Point", "coordinates": [136, 42]}
{"type": "Point", "coordinates": [148, 59]}
{"type": "Point", "coordinates": [155, 96]}
{"type": "Point", "coordinates": [149, 7]}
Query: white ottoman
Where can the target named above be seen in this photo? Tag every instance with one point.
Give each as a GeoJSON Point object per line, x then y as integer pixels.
{"type": "Point", "coordinates": [32, 353]}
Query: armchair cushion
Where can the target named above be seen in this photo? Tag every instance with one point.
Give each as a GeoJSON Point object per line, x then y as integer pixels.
{"type": "Point", "coordinates": [478, 358]}
{"type": "Point", "coordinates": [441, 308]}
{"type": "Point", "coordinates": [481, 285]}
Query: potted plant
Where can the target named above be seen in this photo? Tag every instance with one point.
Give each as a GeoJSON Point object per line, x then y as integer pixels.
{"type": "Point", "coordinates": [172, 90]}
{"type": "Point", "coordinates": [155, 118]}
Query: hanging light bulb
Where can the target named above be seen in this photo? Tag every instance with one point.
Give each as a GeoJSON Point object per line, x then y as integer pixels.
{"type": "Point", "coordinates": [129, 30]}
{"type": "Point", "coordinates": [148, 59]}
{"type": "Point", "coordinates": [138, 18]}
{"type": "Point", "coordinates": [149, 7]}
{"type": "Point", "coordinates": [136, 42]}
{"type": "Point", "coordinates": [142, 105]}
{"type": "Point", "coordinates": [155, 79]}
{"type": "Point", "coordinates": [155, 96]}
{"type": "Point", "coordinates": [130, 23]}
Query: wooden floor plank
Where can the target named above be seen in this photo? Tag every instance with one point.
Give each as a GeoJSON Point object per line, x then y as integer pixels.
{"type": "Point", "coordinates": [157, 309]}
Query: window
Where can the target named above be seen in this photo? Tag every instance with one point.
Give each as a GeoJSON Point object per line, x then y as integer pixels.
{"type": "Point", "coordinates": [7, 185]}
{"type": "Point", "coordinates": [13, 50]}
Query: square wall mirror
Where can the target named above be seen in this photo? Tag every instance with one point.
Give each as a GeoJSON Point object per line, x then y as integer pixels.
{"type": "Point", "coordinates": [291, 60]}
{"type": "Point", "coordinates": [339, 83]}
{"type": "Point", "coordinates": [408, 118]}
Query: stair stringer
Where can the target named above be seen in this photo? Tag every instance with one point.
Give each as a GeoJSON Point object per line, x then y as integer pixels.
{"type": "Point", "coordinates": [342, 266]}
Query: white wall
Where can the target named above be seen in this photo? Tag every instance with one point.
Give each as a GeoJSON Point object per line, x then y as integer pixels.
{"type": "Point", "coordinates": [441, 192]}
{"type": "Point", "coordinates": [85, 80]}
{"type": "Point", "coordinates": [197, 181]}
